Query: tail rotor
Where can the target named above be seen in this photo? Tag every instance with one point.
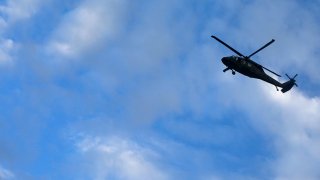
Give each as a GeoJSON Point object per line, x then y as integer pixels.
{"type": "Point", "coordinates": [293, 79]}
{"type": "Point", "coordinates": [289, 84]}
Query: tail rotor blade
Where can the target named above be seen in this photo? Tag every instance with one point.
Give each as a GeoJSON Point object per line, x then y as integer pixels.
{"type": "Point", "coordinates": [288, 76]}
{"type": "Point", "coordinates": [225, 44]}
{"type": "Point", "coordinates": [293, 76]}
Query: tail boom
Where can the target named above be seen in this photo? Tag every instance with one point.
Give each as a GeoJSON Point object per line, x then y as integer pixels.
{"type": "Point", "coordinates": [287, 86]}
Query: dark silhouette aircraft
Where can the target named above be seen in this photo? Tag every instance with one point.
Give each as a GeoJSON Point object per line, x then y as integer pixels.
{"type": "Point", "coordinates": [244, 65]}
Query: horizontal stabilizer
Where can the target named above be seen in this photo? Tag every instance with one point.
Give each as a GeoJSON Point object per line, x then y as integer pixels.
{"type": "Point", "coordinates": [289, 84]}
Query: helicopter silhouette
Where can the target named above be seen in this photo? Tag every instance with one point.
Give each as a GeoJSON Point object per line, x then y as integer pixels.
{"type": "Point", "coordinates": [246, 66]}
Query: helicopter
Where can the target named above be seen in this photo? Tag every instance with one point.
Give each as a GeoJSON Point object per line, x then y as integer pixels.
{"type": "Point", "coordinates": [246, 66]}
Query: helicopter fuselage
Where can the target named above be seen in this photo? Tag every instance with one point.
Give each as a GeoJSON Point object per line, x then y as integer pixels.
{"type": "Point", "coordinates": [248, 68]}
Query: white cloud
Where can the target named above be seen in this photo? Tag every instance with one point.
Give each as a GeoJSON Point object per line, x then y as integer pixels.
{"type": "Point", "coordinates": [297, 134]}
{"type": "Point", "coordinates": [3, 24]}
{"type": "Point", "coordinates": [294, 27]}
{"type": "Point", "coordinates": [5, 174]}
{"type": "Point", "coordinates": [160, 97]}
{"type": "Point", "coordinates": [119, 158]}
{"type": "Point", "coordinates": [16, 10]}
{"type": "Point", "coordinates": [6, 48]}
{"type": "Point", "coordinates": [13, 11]}
{"type": "Point", "coordinates": [173, 86]}
{"type": "Point", "coordinates": [291, 119]}
{"type": "Point", "coordinates": [86, 26]}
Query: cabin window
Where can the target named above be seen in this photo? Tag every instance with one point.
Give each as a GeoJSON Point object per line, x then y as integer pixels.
{"type": "Point", "coordinates": [249, 64]}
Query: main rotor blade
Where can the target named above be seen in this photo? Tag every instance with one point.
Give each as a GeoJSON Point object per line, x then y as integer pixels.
{"type": "Point", "coordinates": [270, 71]}
{"type": "Point", "coordinates": [227, 46]}
{"type": "Point", "coordinates": [261, 48]}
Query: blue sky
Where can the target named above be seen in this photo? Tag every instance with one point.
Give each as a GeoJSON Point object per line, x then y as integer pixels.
{"type": "Point", "coordinates": [119, 89]}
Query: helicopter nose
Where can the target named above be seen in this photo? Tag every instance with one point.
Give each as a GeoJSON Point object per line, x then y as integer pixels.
{"type": "Point", "coordinates": [225, 61]}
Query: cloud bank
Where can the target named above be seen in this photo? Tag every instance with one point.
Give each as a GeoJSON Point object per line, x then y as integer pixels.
{"type": "Point", "coordinates": [135, 90]}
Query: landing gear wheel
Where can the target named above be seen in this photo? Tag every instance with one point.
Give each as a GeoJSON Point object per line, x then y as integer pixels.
{"type": "Point", "coordinates": [233, 73]}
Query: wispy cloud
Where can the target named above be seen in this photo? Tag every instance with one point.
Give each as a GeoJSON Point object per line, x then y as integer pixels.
{"type": "Point", "coordinates": [91, 23]}
{"type": "Point", "coordinates": [291, 119]}
{"type": "Point", "coordinates": [11, 12]}
{"type": "Point", "coordinates": [186, 88]}
{"type": "Point", "coordinates": [119, 158]}
{"type": "Point", "coordinates": [155, 103]}
{"type": "Point", "coordinates": [16, 10]}
{"type": "Point", "coordinates": [297, 135]}
{"type": "Point", "coordinates": [6, 48]}
{"type": "Point", "coordinates": [5, 174]}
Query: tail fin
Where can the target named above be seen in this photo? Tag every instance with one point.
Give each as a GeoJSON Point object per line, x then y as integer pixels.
{"type": "Point", "coordinates": [289, 84]}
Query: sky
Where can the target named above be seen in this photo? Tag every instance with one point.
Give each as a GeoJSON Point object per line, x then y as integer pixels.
{"type": "Point", "coordinates": [130, 90]}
